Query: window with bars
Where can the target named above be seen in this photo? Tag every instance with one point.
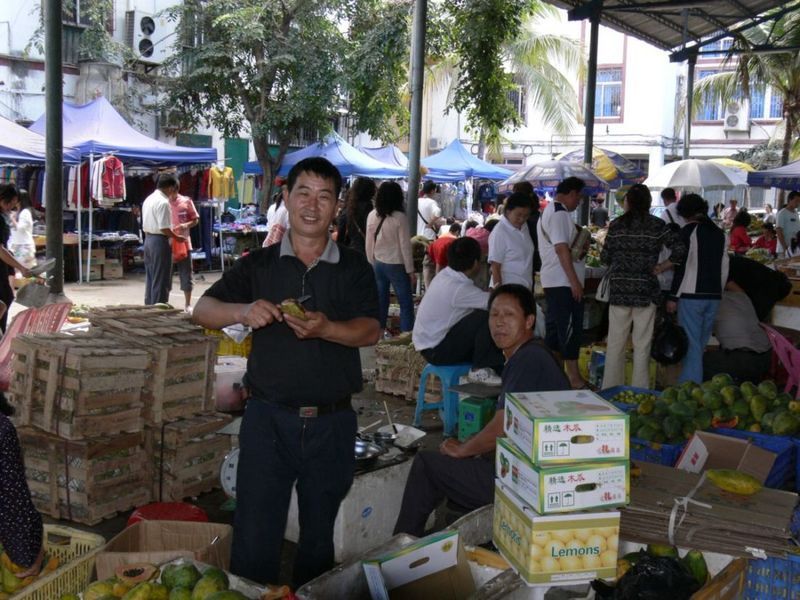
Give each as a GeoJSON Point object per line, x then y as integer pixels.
{"type": "Point", "coordinates": [708, 110]}
{"type": "Point", "coordinates": [765, 103]}
{"type": "Point", "coordinates": [519, 99]}
{"type": "Point", "coordinates": [608, 95]}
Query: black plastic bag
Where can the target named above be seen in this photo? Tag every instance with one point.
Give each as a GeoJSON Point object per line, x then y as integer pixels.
{"type": "Point", "coordinates": [651, 578]}
{"type": "Point", "coordinates": [669, 342]}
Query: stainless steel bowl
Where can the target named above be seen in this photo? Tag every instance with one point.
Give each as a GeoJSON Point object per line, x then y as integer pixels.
{"type": "Point", "coordinates": [366, 453]}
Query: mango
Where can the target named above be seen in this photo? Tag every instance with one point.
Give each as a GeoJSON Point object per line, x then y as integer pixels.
{"type": "Point", "coordinates": [721, 380]}
{"type": "Point", "coordinates": [734, 481]}
{"type": "Point", "coordinates": [141, 591]}
{"type": "Point", "coordinates": [185, 575]}
{"type": "Point", "coordinates": [712, 400]}
{"type": "Point", "coordinates": [730, 394]}
{"type": "Point", "coordinates": [662, 550]}
{"type": "Point", "coordinates": [696, 563]}
{"type": "Point", "coordinates": [98, 589]}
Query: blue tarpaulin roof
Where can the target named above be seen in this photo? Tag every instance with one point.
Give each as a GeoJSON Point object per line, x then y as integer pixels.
{"type": "Point", "coordinates": [786, 177]}
{"type": "Point", "coordinates": [344, 157]}
{"type": "Point", "coordinates": [21, 146]}
{"type": "Point", "coordinates": [97, 128]}
{"type": "Point", "coordinates": [391, 155]}
{"type": "Point", "coordinates": [456, 160]}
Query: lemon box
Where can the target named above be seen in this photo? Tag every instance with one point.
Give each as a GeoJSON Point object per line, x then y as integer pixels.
{"type": "Point", "coordinates": [562, 488]}
{"type": "Point", "coordinates": [566, 427]}
{"type": "Point", "coordinates": [551, 550]}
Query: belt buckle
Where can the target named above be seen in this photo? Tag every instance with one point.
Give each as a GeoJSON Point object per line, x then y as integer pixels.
{"type": "Point", "coordinates": [308, 411]}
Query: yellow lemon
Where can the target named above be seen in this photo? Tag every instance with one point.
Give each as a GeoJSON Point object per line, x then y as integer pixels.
{"type": "Point", "coordinates": [563, 535]}
{"type": "Point", "coordinates": [550, 565]}
{"type": "Point", "coordinates": [537, 552]}
{"type": "Point", "coordinates": [609, 558]}
{"type": "Point", "coordinates": [571, 563]}
{"type": "Point", "coordinates": [534, 566]}
{"type": "Point", "coordinates": [591, 561]}
{"type": "Point", "coordinates": [597, 541]}
{"type": "Point", "coordinates": [582, 534]}
{"type": "Point", "coordinates": [612, 542]}
{"type": "Point", "coordinates": [540, 538]}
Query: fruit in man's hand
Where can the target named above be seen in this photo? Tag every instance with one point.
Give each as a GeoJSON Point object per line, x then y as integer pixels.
{"type": "Point", "coordinates": [292, 307]}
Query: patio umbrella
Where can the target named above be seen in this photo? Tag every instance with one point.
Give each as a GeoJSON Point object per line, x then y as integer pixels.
{"type": "Point", "coordinates": [694, 174]}
{"type": "Point", "coordinates": [546, 175]}
{"type": "Point", "coordinates": [733, 164]}
{"type": "Point", "coordinates": [609, 166]}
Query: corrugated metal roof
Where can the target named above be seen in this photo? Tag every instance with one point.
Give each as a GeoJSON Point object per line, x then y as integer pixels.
{"type": "Point", "coordinates": [662, 24]}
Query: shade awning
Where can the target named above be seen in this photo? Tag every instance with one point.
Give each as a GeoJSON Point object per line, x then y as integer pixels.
{"type": "Point", "coordinates": [786, 177]}
{"type": "Point", "coordinates": [22, 146]}
{"type": "Point", "coordinates": [456, 161]}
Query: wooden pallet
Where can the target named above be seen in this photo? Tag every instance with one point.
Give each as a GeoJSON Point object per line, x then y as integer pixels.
{"type": "Point", "coordinates": [78, 386]}
{"type": "Point", "coordinates": [186, 455]}
{"type": "Point", "coordinates": [85, 481]}
{"type": "Point", "coordinates": [399, 366]}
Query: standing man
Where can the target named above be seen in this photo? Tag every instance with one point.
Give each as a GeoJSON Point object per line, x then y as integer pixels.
{"type": "Point", "coordinates": [157, 227]}
{"type": "Point", "coordinates": [562, 276]}
{"type": "Point", "coordinates": [670, 216]}
{"type": "Point", "coordinates": [299, 426]}
{"type": "Point", "coordinates": [184, 217]}
{"type": "Point", "coordinates": [429, 219]}
{"type": "Point", "coordinates": [788, 224]}
{"type": "Point", "coordinates": [665, 269]}
{"type": "Point", "coordinates": [599, 216]}
{"type": "Point", "coordinates": [729, 214]}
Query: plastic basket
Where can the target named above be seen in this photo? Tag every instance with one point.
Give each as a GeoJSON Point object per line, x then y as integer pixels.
{"type": "Point", "coordinates": [783, 469]}
{"type": "Point", "coordinates": [228, 347]}
{"type": "Point", "coordinates": [76, 551]}
{"type": "Point", "coordinates": [796, 442]}
{"type": "Point", "coordinates": [773, 578]}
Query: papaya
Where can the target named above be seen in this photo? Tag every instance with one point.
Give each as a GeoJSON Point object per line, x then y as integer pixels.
{"type": "Point", "coordinates": [697, 395]}
{"type": "Point", "coordinates": [662, 550]}
{"type": "Point", "coordinates": [720, 380]}
{"type": "Point", "coordinates": [136, 573]}
{"type": "Point", "coordinates": [767, 420]}
{"type": "Point", "coordinates": [682, 410]}
{"type": "Point", "coordinates": [660, 409]}
{"type": "Point", "coordinates": [758, 406]}
{"type": "Point", "coordinates": [207, 586]}
{"type": "Point", "coordinates": [180, 593]}
{"type": "Point", "coordinates": [730, 394]}
{"type": "Point", "coordinates": [768, 389]}
{"type": "Point", "coordinates": [672, 427]}
{"type": "Point", "coordinates": [748, 389]}
{"type": "Point", "coordinates": [98, 589]}
{"type": "Point", "coordinates": [185, 575]}
{"type": "Point", "coordinates": [696, 563]}
{"type": "Point", "coordinates": [645, 432]}
{"type": "Point", "coordinates": [227, 595]}
{"type": "Point", "coordinates": [712, 400]}
{"type": "Point", "coordinates": [158, 591]}
{"type": "Point", "coordinates": [688, 429]}
{"type": "Point", "coordinates": [219, 575]}
{"type": "Point", "coordinates": [785, 423]}
{"type": "Point", "coordinates": [669, 395]}
{"type": "Point", "coordinates": [702, 420]}
{"type": "Point", "coordinates": [755, 428]}
{"type": "Point", "coordinates": [120, 588]}
{"type": "Point", "coordinates": [741, 409]}
{"type": "Point", "coordinates": [734, 481]}
{"type": "Point", "coordinates": [11, 583]}
{"type": "Point", "coordinates": [141, 591]}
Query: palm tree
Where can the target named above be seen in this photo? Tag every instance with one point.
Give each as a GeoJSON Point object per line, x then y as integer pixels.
{"type": "Point", "coordinates": [744, 72]}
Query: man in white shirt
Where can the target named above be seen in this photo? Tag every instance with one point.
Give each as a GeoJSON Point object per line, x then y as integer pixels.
{"type": "Point", "coordinates": [788, 224]}
{"type": "Point", "coordinates": [452, 323]}
{"type": "Point", "coordinates": [671, 217]}
{"type": "Point", "coordinates": [729, 214]}
{"type": "Point", "coordinates": [562, 277]}
{"type": "Point", "coordinates": [429, 219]}
{"type": "Point", "coordinates": [157, 226]}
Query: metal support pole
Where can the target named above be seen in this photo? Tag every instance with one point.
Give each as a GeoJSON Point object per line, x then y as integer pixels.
{"type": "Point", "coordinates": [54, 161]}
{"type": "Point", "coordinates": [591, 89]}
{"type": "Point", "coordinates": [79, 196]}
{"type": "Point", "coordinates": [687, 127]}
{"type": "Point", "coordinates": [91, 222]}
{"type": "Point", "coordinates": [417, 81]}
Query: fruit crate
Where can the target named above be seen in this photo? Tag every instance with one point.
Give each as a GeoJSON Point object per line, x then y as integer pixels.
{"type": "Point", "coordinates": [785, 465]}
{"type": "Point", "coordinates": [78, 386]}
{"type": "Point", "coordinates": [76, 551]}
{"type": "Point", "coordinates": [773, 578]}
{"type": "Point", "coordinates": [399, 367]}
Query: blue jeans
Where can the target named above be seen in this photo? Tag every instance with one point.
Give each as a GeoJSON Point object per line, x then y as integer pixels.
{"type": "Point", "coordinates": [697, 319]}
{"type": "Point", "coordinates": [396, 276]}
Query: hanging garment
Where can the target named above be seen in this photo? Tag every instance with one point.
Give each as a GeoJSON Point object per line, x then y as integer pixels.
{"type": "Point", "coordinates": [220, 183]}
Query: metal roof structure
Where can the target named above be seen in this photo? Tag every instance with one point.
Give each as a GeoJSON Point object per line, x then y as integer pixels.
{"type": "Point", "coordinates": [669, 25]}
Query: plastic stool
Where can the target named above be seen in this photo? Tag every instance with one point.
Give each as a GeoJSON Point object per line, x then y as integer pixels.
{"type": "Point", "coordinates": [448, 375]}
{"type": "Point", "coordinates": [168, 511]}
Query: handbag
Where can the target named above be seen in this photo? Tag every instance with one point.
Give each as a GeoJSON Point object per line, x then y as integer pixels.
{"type": "Point", "coordinates": [670, 343]}
{"type": "Point", "coordinates": [180, 250]}
{"type": "Point", "coordinates": [603, 293]}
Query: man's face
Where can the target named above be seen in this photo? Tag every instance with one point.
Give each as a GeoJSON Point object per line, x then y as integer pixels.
{"type": "Point", "coordinates": [311, 204]}
{"type": "Point", "coordinates": [793, 203]}
{"type": "Point", "coordinates": [571, 200]}
{"type": "Point", "coordinates": [508, 324]}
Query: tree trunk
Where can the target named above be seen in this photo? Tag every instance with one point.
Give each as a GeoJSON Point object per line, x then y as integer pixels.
{"type": "Point", "coordinates": [265, 160]}
{"type": "Point", "coordinates": [789, 119]}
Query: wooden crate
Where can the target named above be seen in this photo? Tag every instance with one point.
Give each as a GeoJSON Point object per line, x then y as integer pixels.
{"type": "Point", "coordinates": [399, 366]}
{"type": "Point", "coordinates": [85, 481]}
{"type": "Point", "coordinates": [77, 386]}
{"type": "Point", "coordinates": [186, 455]}
{"type": "Point", "coordinates": [181, 381]}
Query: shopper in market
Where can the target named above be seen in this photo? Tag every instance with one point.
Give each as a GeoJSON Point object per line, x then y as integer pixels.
{"type": "Point", "coordinates": [740, 241]}
{"type": "Point", "coordinates": [464, 472]}
{"type": "Point", "coordinates": [768, 240]}
{"type": "Point", "coordinates": [21, 536]}
{"type": "Point", "coordinates": [388, 247]}
{"type": "Point", "coordinates": [184, 217]}
{"type": "Point", "coordinates": [698, 282]}
{"type": "Point", "coordinates": [157, 227]}
{"type": "Point", "coordinates": [510, 244]}
{"type": "Point", "coordinates": [631, 251]}
{"type": "Point", "coordinates": [22, 244]}
{"type": "Point", "coordinates": [352, 223]}
{"type": "Point", "coordinates": [8, 203]}
{"type": "Point", "coordinates": [788, 224]}
{"type": "Point", "coordinates": [437, 251]}
{"type": "Point", "coordinates": [299, 426]}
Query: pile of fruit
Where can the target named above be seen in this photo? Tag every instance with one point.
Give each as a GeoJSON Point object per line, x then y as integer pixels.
{"type": "Point", "coordinates": [631, 397]}
{"type": "Point", "coordinates": [11, 583]}
{"type": "Point", "coordinates": [761, 255]}
{"type": "Point", "coordinates": [680, 411]}
{"type": "Point", "coordinates": [176, 582]}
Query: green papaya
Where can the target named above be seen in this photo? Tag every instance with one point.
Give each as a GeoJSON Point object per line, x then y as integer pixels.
{"type": "Point", "coordinates": [682, 410]}
{"type": "Point", "coordinates": [748, 389]}
{"type": "Point", "coordinates": [702, 419]}
{"type": "Point", "coordinates": [140, 592]}
{"type": "Point", "coordinates": [720, 380]}
{"type": "Point", "coordinates": [669, 395]}
{"type": "Point", "coordinates": [697, 395]}
{"type": "Point", "coordinates": [730, 394]}
{"type": "Point", "coordinates": [688, 429]}
{"type": "Point", "coordinates": [785, 423]}
{"type": "Point", "coordinates": [180, 593]}
{"type": "Point", "coordinates": [768, 389]}
{"type": "Point", "coordinates": [767, 420]}
{"type": "Point", "coordinates": [660, 409]}
{"type": "Point", "coordinates": [662, 550]}
{"type": "Point", "coordinates": [712, 400]}
{"type": "Point", "coordinates": [741, 409]}
{"type": "Point", "coordinates": [696, 563]}
{"type": "Point", "coordinates": [672, 427]}
{"type": "Point", "coordinates": [758, 406]}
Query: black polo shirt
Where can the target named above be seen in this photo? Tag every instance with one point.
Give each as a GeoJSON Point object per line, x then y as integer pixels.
{"type": "Point", "coordinates": [281, 367]}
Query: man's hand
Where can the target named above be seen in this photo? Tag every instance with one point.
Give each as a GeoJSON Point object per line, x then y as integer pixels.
{"type": "Point", "coordinates": [451, 447]}
{"type": "Point", "coordinates": [315, 325]}
{"type": "Point", "coordinates": [577, 291]}
{"type": "Point", "coordinates": [672, 306]}
{"type": "Point", "coordinates": [259, 314]}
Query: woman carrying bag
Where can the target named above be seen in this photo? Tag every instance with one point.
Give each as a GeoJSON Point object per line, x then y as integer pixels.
{"type": "Point", "coordinates": [631, 251]}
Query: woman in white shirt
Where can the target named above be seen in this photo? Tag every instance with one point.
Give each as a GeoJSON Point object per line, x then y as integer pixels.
{"type": "Point", "coordinates": [22, 245]}
{"type": "Point", "coordinates": [511, 246]}
{"type": "Point", "coordinates": [388, 246]}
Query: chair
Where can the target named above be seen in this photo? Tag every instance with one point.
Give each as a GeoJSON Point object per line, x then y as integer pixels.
{"type": "Point", "coordinates": [448, 407]}
{"type": "Point", "coordinates": [47, 319]}
{"type": "Point", "coordinates": [788, 355]}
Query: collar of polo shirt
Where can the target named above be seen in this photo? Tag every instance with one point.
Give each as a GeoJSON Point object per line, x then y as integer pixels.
{"type": "Point", "coordinates": [329, 255]}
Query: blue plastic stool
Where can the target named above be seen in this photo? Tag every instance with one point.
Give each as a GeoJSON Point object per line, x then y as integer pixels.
{"type": "Point", "coordinates": [448, 375]}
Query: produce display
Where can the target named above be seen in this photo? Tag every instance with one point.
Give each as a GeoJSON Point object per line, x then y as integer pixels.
{"type": "Point", "coordinates": [680, 411]}
{"type": "Point", "coordinates": [11, 583]}
{"type": "Point", "coordinates": [632, 397]}
{"type": "Point", "coordinates": [761, 255]}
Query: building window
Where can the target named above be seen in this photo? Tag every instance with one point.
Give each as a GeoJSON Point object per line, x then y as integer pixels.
{"type": "Point", "coordinates": [78, 12]}
{"type": "Point", "coordinates": [776, 106]}
{"type": "Point", "coordinates": [519, 99]}
{"type": "Point", "coordinates": [765, 103]}
{"type": "Point", "coordinates": [721, 46]}
{"type": "Point", "coordinates": [709, 110]}
{"type": "Point", "coordinates": [608, 96]}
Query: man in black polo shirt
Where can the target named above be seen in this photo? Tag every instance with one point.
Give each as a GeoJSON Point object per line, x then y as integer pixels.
{"type": "Point", "coordinates": [298, 425]}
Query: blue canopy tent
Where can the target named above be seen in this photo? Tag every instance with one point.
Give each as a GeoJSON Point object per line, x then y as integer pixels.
{"type": "Point", "coordinates": [786, 177]}
{"type": "Point", "coordinates": [344, 157]}
{"type": "Point", "coordinates": [22, 146]}
{"type": "Point", "coordinates": [455, 163]}
{"type": "Point", "coordinates": [389, 155]}
{"type": "Point", "coordinates": [96, 128]}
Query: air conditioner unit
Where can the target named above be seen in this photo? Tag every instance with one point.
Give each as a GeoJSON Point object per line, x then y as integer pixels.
{"type": "Point", "coordinates": [149, 36]}
{"type": "Point", "coordinates": [435, 143]}
{"type": "Point", "coordinates": [737, 116]}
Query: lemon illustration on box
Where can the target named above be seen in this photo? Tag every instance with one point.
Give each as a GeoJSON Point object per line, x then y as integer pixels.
{"type": "Point", "coordinates": [566, 426]}
{"type": "Point", "coordinates": [546, 550]}
{"type": "Point", "coordinates": [563, 487]}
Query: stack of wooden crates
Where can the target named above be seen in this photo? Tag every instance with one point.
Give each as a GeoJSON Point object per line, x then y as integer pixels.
{"type": "Point", "coordinates": [398, 370]}
{"type": "Point", "coordinates": [116, 417]}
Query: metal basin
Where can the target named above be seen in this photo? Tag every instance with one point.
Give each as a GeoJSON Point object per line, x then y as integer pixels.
{"type": "Point", "coordinates": [366, 453]}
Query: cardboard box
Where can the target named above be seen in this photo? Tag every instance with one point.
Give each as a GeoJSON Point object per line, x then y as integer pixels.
{"type": "Point", "coordinates": [559, 549]}
{"type": "Point", "coordinates": [562, 488]}
{"type": "Point", "coordinates": [432, 567]}
{"type": "Point", "coordinates": [158, 542]}
{"type": "Point", "coordinates": [98, 256]}
{"type": "Point", "coordinates": [565, 427]}
{"type": "Point", "coordinates": [112, 269]}
{"type": "Point", "coordinates": [473, 415]}
{"type": "Point", "coordinates": [95, 273]}
{"type": "Point", "coordinates": [713, 451]}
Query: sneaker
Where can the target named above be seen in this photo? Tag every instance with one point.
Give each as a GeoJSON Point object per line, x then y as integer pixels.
{"type": "Point", "coordinates": [486, 376]}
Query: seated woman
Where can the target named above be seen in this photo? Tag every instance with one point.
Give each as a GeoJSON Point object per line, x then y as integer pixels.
{"type": "Point", "coordinates": [464, 472]}
{"type": "Point", "coordinates": [739, 239]}
{"type": "Point", "coordinates": [20, 523]}
{"type": "Point", "coordinates": [768, 240]}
